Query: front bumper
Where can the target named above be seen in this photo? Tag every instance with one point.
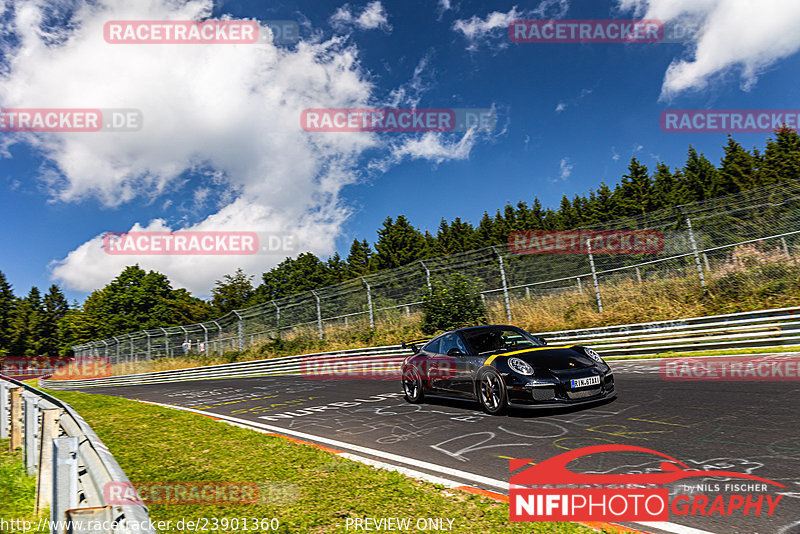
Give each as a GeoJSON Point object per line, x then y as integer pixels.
{"type": "Point", "coordinates": [554, 392]}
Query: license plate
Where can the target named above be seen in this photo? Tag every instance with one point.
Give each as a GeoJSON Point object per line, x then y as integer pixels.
{"type": "Point", "coordinates": [583, 382]}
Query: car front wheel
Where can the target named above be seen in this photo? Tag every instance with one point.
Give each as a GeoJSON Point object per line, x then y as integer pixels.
{"type": "Point", "coordinates": [412, 386]}
{"type": "Point", "coordinates": [492, 393]}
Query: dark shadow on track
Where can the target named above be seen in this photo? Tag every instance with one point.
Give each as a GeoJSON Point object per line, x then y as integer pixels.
{"type": "Point", "coordinates": [515, 411]}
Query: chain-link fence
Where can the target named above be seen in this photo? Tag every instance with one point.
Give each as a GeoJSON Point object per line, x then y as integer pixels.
{"type": "Point", "coordinates": [697, 238]}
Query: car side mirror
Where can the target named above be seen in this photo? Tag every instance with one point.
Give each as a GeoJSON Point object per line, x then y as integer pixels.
{"type": "Point", "coordinates": [541, 340]}
{"type": "Point", "coordinates": [455, 351]}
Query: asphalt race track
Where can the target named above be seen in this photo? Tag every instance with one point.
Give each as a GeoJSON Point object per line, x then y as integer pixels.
{"type": "Point", "coordinates": [748, 427]}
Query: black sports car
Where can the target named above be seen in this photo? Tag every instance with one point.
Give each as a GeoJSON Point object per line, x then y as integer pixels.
{"type": "Point", "coordinates": [504, 365]}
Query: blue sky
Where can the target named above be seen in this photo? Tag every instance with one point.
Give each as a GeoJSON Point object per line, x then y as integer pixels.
{"type": "Point", "coordinates": [569, 116]}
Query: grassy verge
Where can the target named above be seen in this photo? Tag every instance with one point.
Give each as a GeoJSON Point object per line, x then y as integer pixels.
{"type": "Point", "coordinates": [306, 489]}
{"type": "Point", "coordinates": [17, 490]}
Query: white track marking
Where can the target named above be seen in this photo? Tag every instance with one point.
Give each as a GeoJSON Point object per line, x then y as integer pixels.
{"type": "Point", "coordinates": [666, 526]}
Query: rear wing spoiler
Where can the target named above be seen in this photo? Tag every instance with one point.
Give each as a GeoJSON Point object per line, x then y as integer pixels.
{"type": "Point", "coordinates": [415, 345]}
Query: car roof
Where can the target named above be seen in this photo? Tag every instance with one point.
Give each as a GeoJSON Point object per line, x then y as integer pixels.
{"type": "Point", "coordinates": [482, 327]}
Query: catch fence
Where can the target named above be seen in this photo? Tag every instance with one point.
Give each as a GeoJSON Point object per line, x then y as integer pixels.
{"type": "Point", "coordinates": [700, 240]}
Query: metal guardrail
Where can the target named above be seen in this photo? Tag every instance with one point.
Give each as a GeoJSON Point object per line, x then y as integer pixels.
{"type": "Point", "coordinates": [289, 365]}
{"type": "Point", "coordinates": [765, 328]}
{"type": "Point", "coordinates": [71, 464]}
{"type": "Point", "coordinates": [756, 329]}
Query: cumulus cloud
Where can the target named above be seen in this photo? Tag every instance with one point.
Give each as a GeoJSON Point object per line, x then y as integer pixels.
{"type": "Point", "coordinates": [221, 127]}
{"type": "Point", "coordinates": [493, 28]}
{"type": "Point", "coordinates": [372, 17]}
{"type": "Point", "coordinates": [741, 36]}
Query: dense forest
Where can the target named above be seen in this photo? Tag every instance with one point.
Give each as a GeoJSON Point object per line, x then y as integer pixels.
{"type": "Point", "coordinates": [136, 299]}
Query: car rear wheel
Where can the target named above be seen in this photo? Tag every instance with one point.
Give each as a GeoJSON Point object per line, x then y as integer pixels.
{"type": "Point", "coordinates": [492, 393]}
{"type": "Point", "coordinates": [412, 386]}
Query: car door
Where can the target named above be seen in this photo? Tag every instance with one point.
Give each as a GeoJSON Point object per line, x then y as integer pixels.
{"type": "Point", "coordinates": [464, 368]}
{"type": "Point", "coordinates": [453, 367]}
{"type": "Point", "coordinates": [430, 370]}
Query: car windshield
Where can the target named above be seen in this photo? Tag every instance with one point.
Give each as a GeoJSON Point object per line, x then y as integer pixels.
{"type": "Point", "coordinates": [488, 340]}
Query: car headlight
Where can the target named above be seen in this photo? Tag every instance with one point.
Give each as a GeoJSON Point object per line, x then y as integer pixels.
{"type": "Point", "coordinates": [520, 366]}
{"type": "Point", "coordinates": [593, 355]}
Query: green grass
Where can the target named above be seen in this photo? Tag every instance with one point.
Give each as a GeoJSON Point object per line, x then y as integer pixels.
{"type": "Point", "coordinates": [17, 489]}
{"type": "Point", "coordinates": [307, 489]}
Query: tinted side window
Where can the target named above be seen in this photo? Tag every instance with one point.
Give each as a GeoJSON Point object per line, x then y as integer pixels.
{"type": "Point", "coordinates": [433, 346]}
{"type": "Point", "coordinates": [452, 341]}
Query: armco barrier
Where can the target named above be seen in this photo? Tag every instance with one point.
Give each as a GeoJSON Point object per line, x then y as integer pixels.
{"type": "Point", "coordinates": [71, 464]}
{"type": "Point", "coordinates": [756, 329]}
{"type": "Point", "coordinates": [765, 328]}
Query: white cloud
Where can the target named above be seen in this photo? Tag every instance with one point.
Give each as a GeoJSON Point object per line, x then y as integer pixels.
{"type": "Point", "coordinates": [743, 36]}
{"type": "Point", "coordinates": [372, 17]}
{"type": "Point", "coordinates": [561, 107]}
{"type": "Point", "coordinates": [565, 169]}
{"type": "Point", "coordinates": [475, 28]}
{"type": "Point", "coordinates": [228, 115]}
{"type": "Point", "coordinates": [444, 5]}
{"type": "Point", "coordinates": [494, 27]}
{"type": "Point", "coordinates": [614, 154]}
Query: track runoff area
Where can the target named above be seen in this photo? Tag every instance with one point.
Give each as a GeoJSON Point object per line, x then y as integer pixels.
{"type": "Point", "coordinates": [720, 451]}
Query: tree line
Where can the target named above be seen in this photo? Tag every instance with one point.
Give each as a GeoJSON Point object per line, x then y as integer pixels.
{"type": "Point", "coordinates": [138, 299]}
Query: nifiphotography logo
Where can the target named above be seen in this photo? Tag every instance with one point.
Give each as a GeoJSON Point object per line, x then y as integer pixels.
{"type": "Point", "coordinates": [548, 491]}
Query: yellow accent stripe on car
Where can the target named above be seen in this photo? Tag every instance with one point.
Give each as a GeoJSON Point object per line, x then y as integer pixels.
{"type": "Point", "coordinates": [490, 359]}
{"type": "Point", "coordinates": [417, 341]}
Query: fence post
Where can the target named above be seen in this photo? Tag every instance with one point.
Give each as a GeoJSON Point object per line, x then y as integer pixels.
{"type": "Point", "coordinates": [44, 477]}
{"type": "Point", "coordinates": [319, 314]}
{"type": "Point", "coordinates": [166, 342]}
{"type": "Point", "coordinates": [638, 275]}
{"type": "Point", "coordinates": [369, 303]}
{"type": "Point", "coordinates": [505, 286]}
{"type": "Point", "coordinates": [4, 405]}
{"type": "Point", "coordinates": [786, 248]}
{"type": "Point", "coordinates": [239, 330]}
{"type": "Point", "coordinates": [219, 338]}
{"type": "Point", "coordinates": [696, 253]}
{"type": "Point", "coordinates": [185, 338]}
{"type": "Point", "coordinates": [105, 349]}
{"type": "Point", "coordinates": [133, 357]}
{"type": "Point", "coordinates": [527, 292]}
{"type": "Point", "coordinates": [116, 341]}
{"type": "Point", "coordinates": [30, 420]}
{"type": "Point", "coordinates": [580, 284]}
{"type": "Point", "coordinates": [205, 338]}
{"type": "Point", "coordinates": [65, 484]}
{"type": "Point", "coordinates": [427, 275]}
{"type": "Point", "coordinates": [147, 333]}
{"type": "Point", "coordinates": [277, 317]}
{"type": "Point", "coordinates": [594, 276]}
{"type": "Point", "coordinates": [16, 416]}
